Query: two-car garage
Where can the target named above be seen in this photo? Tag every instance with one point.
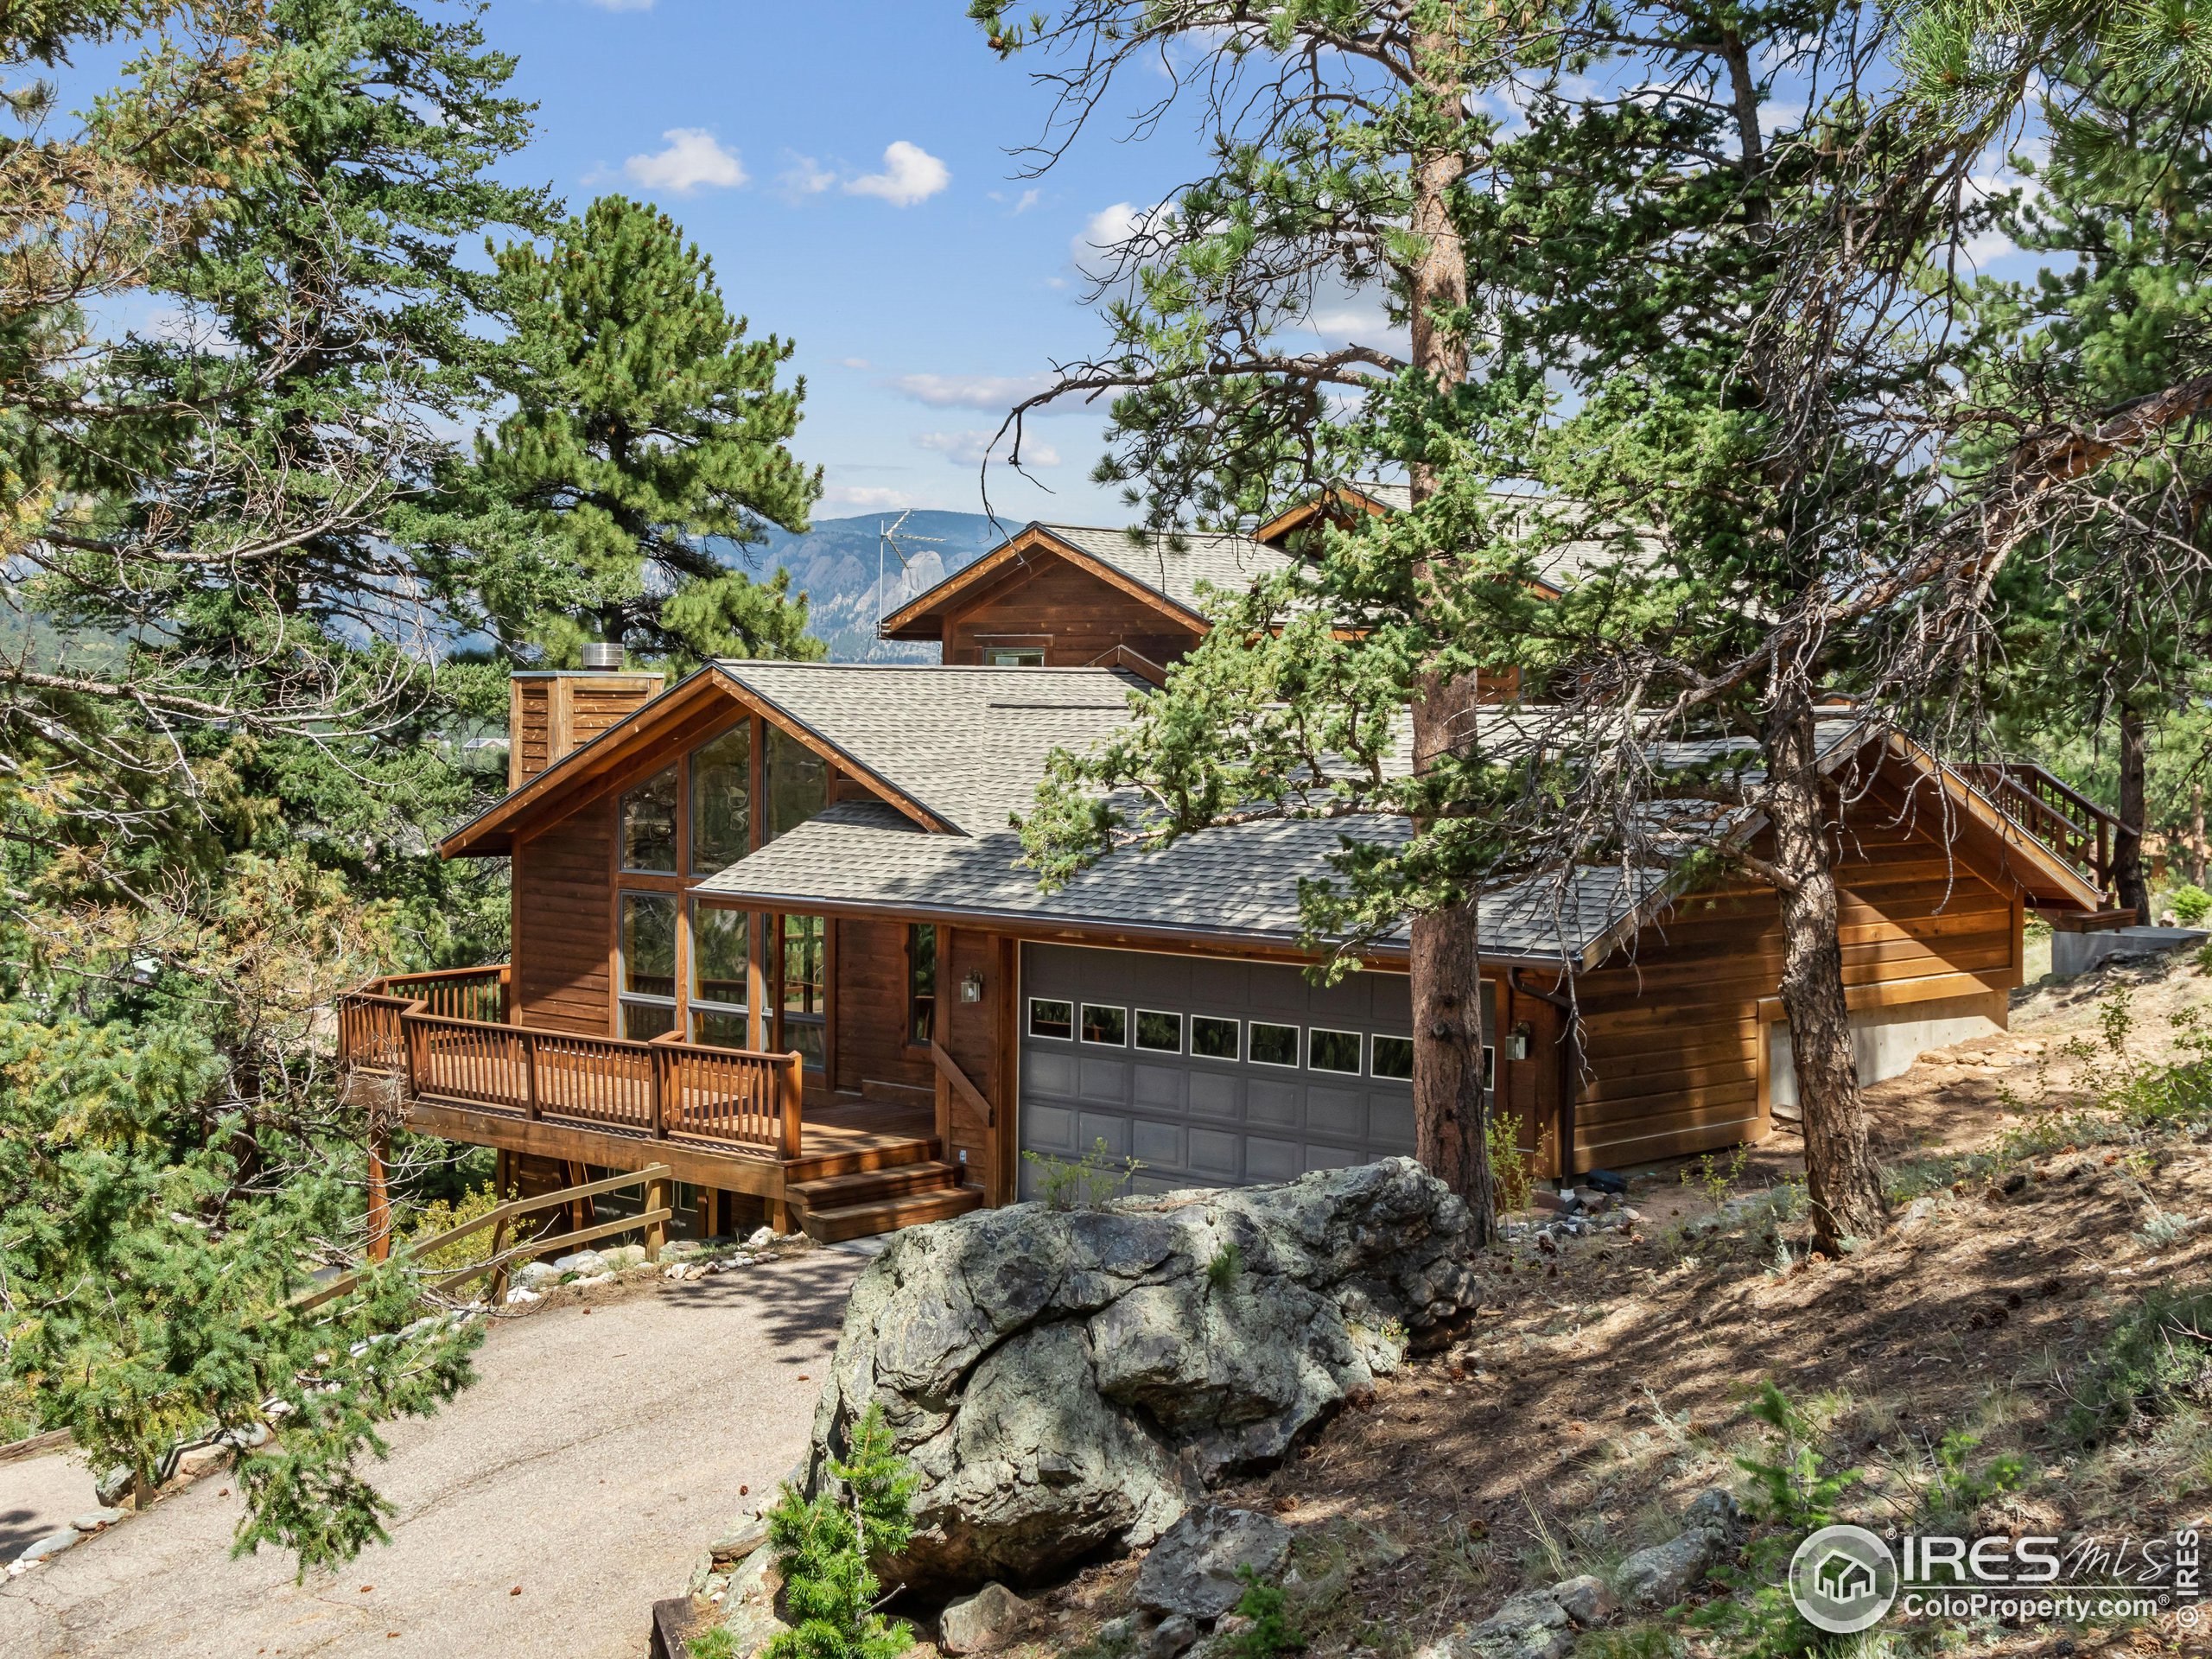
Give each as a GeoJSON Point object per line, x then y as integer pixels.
{"type": "Point", "coordinates": [1209, 1071]}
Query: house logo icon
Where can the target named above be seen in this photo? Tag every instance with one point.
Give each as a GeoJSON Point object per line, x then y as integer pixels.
{"type": "Point", "coordinates": [1843, 1579]}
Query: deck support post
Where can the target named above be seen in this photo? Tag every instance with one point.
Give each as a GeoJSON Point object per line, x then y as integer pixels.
{"type": "Point", "coordinates": [658, 1194]}
{"type": "Point", "coordinates": [791, 1086]}
{"type": "Point", "coordinates": [379, 1187]}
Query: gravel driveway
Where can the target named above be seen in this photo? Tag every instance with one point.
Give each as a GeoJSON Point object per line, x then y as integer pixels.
{"type": "Point", "coordinates": [592, 1462]}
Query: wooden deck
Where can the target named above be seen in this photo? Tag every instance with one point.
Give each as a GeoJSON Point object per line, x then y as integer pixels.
{"type": "Point", "coordinates": [724, 1119]}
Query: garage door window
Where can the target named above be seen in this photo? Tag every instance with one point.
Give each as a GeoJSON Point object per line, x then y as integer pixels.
{"type": "Point", "coordinates": [1213, 1038]}
{"type": "Point", "coordinates": [1161, 1032]}
{"type": "Point", "coordinates": [1050, 1019]}
{"type": "Point", "coordinates": [1108, 1027]}
{"type": "Point", "coordinates": [1273, 1044]}
{"type": "Point", "coordinates": [1332, 1051]}
{"type": "Point", "coordinates": [1393, 1057]}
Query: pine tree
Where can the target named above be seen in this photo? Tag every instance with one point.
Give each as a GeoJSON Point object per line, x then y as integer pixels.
{"type": "Point", "coordinates": [647, 429]}
{"type": "Point", "coordinates": [824, 1544]}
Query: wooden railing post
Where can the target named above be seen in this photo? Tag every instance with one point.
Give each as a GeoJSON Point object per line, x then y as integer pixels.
{"type": "Point", "coordinates": [532, 1109]}
{"type": "Point", "coordinates": [415, 1038]}
{"type": "Point", "coordinates": [656, 1196]}
{"type": "Point", "coordinates": [790, 1087]}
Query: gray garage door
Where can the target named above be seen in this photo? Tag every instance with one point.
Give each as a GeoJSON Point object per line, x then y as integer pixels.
{"type": "Point", "coordinates": [1210, 1073]}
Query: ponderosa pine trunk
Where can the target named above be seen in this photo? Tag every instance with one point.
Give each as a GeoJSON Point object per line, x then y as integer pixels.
{"type": "Point", "coordinates": [1842, 1183]}
{"type": "Point", "coordinates": [2130, 882]}
{"type": "Point", "coordinates": [1449, 1117]}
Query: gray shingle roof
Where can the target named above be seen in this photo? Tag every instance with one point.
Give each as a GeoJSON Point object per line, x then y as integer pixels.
{"type": "Point", "coordinates": [1233, 883]}
{"type": "Point", "coordinates": [967, 744]}
{"type": "Point", "coordinates": [1176, 565]}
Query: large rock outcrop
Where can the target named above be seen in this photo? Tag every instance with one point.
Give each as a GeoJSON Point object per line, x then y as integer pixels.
{"type": "Point", "coordinates": [1070, 1381]}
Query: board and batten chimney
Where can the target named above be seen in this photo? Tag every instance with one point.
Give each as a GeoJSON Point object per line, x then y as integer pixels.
{"type": "Point", "coordinates": [552, 711]}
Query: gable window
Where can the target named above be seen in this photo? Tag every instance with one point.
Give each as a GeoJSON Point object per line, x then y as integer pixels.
{"type": "Point", "coordinates": [719, 961]}
{"type": "Point", "coordinates": [921, 982]}
{"type": "Point", "coordinates": [1013, 656]}
{"type": "Point", "coordinates": [645, 960]}
{"type": "Point", "coordinates": [722, 800]}
{"type": "Point", "coordinates": [797, 783]}
{"type": "Point", "coordinates": [648, 826]}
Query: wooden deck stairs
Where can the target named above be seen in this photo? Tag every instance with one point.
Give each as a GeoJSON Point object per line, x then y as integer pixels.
{"type": "Point", "coordinates": [878, 1190]}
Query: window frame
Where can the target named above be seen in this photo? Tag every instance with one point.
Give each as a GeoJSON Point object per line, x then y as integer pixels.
{"type": "Point", "coordinates": [674, 771]}
{"type": "Point", "coordinates": [1297, 1045]}
{"type": "Point", "coordinates": [1136, 1030]}
{"type": "Point", "coordinates": [1082, 1035]}
{"type": "Point", "coordinates": [1032, 655]}
{"type": "Point", "coordinates": [1358, 1067]}
{"type": "Point", "coordinates": [915, 995]}
{"type": "Point", "coordinates": [1029, 1023]}
{"type": "Point", "coordinates": [695, 1004]}
{"type": "Point", "coordinates": [627, 999]}
{"type": "Point", "coordinates": [815, 1019]}
{"type": "Point", "coordinates": [689, 790]}
{"type": "Point", "coordinates": [1235, 1025]}
{"type": "Point", "coordinates": [1375, 1038]}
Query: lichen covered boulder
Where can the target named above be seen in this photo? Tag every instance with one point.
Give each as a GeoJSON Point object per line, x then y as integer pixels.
{"type": "Point", "coordinates": [1069, 1382]}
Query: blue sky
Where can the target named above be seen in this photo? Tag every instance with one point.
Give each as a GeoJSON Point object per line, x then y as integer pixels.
{"type": "Point", "coordinates": [844, 163]}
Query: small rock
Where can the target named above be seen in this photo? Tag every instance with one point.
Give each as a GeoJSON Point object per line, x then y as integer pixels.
{"type": "Point", "coordinates": [741, 1540]}
{"type": "Point", "coordinates": [112, 1487]}
{"type": "Point", "coordinates": [582, 1263]}
{"type": "Point", "coordinates": [623, 1256]}
{"type": "Point", "coordinates": [1531, 1625]}
{"type": "Point", "coordinates": [1584, 1600]}
{"type": "Point", "coordinates": [761, 1238]}
{"type": "Point", "coordinates": [989, 1618]}
{"type": "Point", "coordinates": [2016, 1182]}
{"type": "Point", "coordinates": [593, 1279]}
{"type": "Point", "coordinates": [98, 1519]}
{"type": "Point", "coordinates": [680, 1249]}
{"type": "Point", "coordinates": [523, 1296]}
{"type": "Point", "coordinates": [1194, 1569]}
{"type": "Point", "coordinates": [202, 1460]}
{"type": "Point", "coordinates": [1169, 1637]}
{"type": "Point", "coordinates": [535, 1274]}
{"type": "Point", "coordinates": [1115, 1634]}
{"type": "Point", "coordinates": [47, 1549]}
{"type": "Point", "coordinates": [673, 1271]}
{"type": "Point", "coordinates": [1660, 1576]}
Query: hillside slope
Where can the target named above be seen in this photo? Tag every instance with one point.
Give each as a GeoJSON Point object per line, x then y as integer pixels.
{"type": "Point", "coordinates": [837, 562]}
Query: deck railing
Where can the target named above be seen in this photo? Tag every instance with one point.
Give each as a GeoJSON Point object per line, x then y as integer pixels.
{"type": "Point", "coordinates": [666, 1089]}
{"type": "Point", "coordinates": [2064, 820]}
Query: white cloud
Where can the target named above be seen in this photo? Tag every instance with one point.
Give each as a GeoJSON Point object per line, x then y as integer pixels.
{"type": "Point", "coordinates": [1021, 204]}
{"type": "Point", "coordinates": [969, 447]}
{"type": "Point", "coordinates": [1105, 230]}
{"type": "Point", "coordinates": [854, 363]}
{"type": "Point", "coordinates": [996, 391]}
{"type": "Point", "coordinates": [623, 5]}
{"type": "Point", "coordinates": [693, 158]}
{"type": "Point", "coordinates": [910, 174]}
{"type": "Point", "coordinates": [868, 498]}
{"type": "Point", "coordinates": [803, 176]}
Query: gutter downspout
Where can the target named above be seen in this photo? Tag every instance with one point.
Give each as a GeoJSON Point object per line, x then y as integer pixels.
{"type": "Point", "coordinates": [1570, 1041]}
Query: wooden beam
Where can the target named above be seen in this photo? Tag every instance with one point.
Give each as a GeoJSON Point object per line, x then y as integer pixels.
{"type": "Point", "coordinates": [560, 1141]}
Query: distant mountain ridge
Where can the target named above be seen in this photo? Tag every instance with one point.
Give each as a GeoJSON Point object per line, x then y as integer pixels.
{"type": "Point", "coordinates": [836, 563]}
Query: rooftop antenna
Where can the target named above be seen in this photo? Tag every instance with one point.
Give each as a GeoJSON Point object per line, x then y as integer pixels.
{"type": "Point", "coordinates": [887, 538]}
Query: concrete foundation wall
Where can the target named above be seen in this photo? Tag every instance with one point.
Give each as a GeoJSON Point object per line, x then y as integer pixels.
{"type": "Point", "coordinates": [1888, 1040]}
{"type": "Point", "coordinates": [2076, 953]}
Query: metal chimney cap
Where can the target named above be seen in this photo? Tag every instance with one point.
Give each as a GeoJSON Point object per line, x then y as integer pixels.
{"type": "Point", "coordinates": [601, 653]}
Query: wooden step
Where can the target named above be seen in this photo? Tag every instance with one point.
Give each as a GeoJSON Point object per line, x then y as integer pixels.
{"type": "Point", "coordinates": [888, 1214]}
{"type": "Point", "coordinates": [892, 1154]}
{"type": "Point", "coordinates": [867, 1185]}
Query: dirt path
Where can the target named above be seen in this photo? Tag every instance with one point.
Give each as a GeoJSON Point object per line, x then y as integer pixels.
{"type": "Point", "coordinates": [589, 1465]}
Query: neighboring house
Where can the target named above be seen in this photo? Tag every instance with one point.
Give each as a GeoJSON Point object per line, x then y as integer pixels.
{"type": "Point", "coordinates": [814, 860]}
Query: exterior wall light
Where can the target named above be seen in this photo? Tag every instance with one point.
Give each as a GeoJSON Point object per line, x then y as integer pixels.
{"type": "Point", "coordinates": [971, 987]}
{"type": "Point", "coordinates": [1517, 1042]}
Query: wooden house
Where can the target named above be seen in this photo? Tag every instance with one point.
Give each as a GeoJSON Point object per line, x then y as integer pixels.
{"type": "Point", "coordinates": [769, 929]}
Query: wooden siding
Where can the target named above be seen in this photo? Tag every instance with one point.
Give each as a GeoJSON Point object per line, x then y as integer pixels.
{"type": "Point", "coordinates": [1073, 615]}
{"type": "Point", "coordinates": [551, 713]}
{"type": "Point", "coordinates": [1672, 1033]}
{"type": "Point", "coordinates": [871, 996]}
{"type": "Point", "coordinates": [563, 923]}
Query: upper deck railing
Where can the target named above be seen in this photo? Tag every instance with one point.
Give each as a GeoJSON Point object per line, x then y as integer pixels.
{"type": "Point", "coordinates": [447, 1035]}
{"type": "Point", "coordinates": [2045, 806]}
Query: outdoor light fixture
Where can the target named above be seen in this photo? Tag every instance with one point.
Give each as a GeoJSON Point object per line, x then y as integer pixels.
{"type": "Point", "coordinates": [971, 987]}
{"type": "Point", "coordinates": [1517, 1042]}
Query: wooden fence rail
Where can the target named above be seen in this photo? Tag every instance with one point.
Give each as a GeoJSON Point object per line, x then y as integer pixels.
{"type": "Point", "coordinates": [654, 1219]}
{"type": "Point", "coordinates": [2063, 819]}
